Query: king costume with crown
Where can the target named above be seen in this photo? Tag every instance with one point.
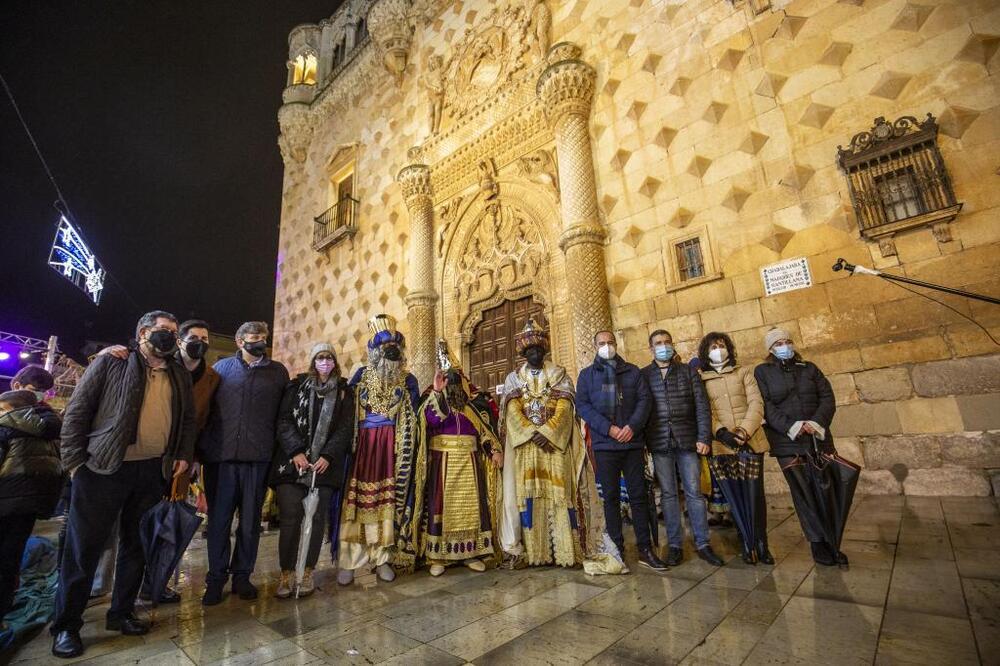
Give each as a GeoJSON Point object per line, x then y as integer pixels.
{"type": "Point", "coordinates": [381, 506]}
{"type": "Point", "coordinates": [463, 451]}
{"type": "Point", "coordinates": [551, 513]}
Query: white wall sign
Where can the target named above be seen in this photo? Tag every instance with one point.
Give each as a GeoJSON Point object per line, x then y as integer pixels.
{"type": "Point", "coordinates": [787, 275]}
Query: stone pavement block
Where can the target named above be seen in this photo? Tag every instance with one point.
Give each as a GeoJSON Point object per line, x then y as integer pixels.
{"type": "Point", "coordinates": [926, 586]}
{"type": "Point", "coordinates": [911, 637]}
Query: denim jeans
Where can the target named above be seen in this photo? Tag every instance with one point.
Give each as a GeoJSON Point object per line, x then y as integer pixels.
{"type": "Point", "coordinates": [667, 467]}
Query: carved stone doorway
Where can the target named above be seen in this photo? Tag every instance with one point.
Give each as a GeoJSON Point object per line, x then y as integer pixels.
{"type": "Point", "coordinates": [492, 354]}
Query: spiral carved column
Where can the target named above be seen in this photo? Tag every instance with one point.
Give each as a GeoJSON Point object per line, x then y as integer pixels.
{"type": "Point", "coordinates": [566, 88]}
{"type": "Point", "coordinates": [415, 179]}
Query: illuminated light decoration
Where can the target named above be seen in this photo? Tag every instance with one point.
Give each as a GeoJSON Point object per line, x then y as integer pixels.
{"type": "Point", "coordinates": [4, 356]}
{"type": "Point", "coordinates": [71, 257]}
{"type": "Point", "coordinates": [25, 355]}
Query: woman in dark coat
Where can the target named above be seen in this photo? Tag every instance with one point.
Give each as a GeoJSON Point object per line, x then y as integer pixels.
{"type": "Point", "coordinates": [315, 429]}
{"type": "Point", "coordinates": [798, 408]}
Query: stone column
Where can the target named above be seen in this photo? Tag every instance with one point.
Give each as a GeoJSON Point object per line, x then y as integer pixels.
{"type": "Point", "coordinates": [566, 89]}
{"type": "Point", "coordinates": [415, 179]}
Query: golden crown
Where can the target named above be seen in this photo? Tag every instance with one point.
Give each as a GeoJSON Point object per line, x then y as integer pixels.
{"type": "Point", "coordinates": [382, 322]}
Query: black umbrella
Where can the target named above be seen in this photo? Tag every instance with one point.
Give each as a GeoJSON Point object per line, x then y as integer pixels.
{"type": "Point", "coordinates": [166, 530]}
{"type": "Point", "coordinates": [333, 516]}
{"type": "Point", "coordinates": [739, 477]}
{"type": "Point", "coordinates": [822, 486]}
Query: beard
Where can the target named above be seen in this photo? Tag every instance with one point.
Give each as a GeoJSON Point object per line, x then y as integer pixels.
{"type": "Point", "coordinates": [386, 370]}
{"type": "Point", "coordinates": [456, 397]}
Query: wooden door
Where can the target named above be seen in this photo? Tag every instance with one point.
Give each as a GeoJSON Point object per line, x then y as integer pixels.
{"type": "Point", "coordinates": [492, 354]}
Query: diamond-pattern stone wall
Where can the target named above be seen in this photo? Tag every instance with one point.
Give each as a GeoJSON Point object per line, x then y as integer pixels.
{"type": "Point", "coordinates": [710, 116]}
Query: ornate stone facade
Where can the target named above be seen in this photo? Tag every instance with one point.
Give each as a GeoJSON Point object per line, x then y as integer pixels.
{"type": "Point", "coordinates": [561, 149]}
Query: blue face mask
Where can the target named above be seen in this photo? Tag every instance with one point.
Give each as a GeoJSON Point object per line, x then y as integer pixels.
{"type": "Point", "coordinates": [784, 352]}
{"type": "Point", "coordinates": [663, 352]}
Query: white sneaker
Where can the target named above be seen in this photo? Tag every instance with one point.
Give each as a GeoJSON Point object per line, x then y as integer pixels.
{"type": "Point", "coordinates": [385, 573]}
{"type": "Point", "coordinates": [345, 576]}
{"type": "Point", "coordinates": [475, 565]}
{"type": "Point", "coordinates": [437, 570]}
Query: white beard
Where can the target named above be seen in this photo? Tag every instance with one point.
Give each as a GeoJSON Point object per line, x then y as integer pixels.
{"type": "Point", "coordinates": [387, 371]}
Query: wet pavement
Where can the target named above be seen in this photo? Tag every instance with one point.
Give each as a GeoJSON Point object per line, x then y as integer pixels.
{"type": "Point", "coordinates": [923, 587]}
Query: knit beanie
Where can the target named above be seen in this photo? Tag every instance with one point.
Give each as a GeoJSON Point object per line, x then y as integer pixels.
{"type": "Point", "coordinates": [319, 348]}
{"type": "Point", "coordinates": [773, 336]}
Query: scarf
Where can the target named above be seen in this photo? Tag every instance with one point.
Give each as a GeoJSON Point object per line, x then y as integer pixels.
{"type": "Point", "coordinates": [328, 393]}
{"type": "Point", "coordinates": [609, 401]}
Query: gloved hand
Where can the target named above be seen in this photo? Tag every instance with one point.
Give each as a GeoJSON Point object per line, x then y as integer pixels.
{"type": "Point", "coordinates": [727, 438]}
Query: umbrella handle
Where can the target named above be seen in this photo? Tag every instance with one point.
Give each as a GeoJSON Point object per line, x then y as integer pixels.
{"type": "Point", "coordinates": [174, 495]}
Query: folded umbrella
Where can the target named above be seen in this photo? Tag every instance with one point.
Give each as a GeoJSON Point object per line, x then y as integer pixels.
{"type": "Point", "coordinates": [834, 481]}
{"type": "Point", "coordinates": [165, 531]}
{"type": "Point", "coordinates": [309, 504]}
{"type": "Point", "coordinates": [738, 476]}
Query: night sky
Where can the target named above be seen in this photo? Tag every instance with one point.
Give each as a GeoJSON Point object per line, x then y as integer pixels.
{"type": "Point", "coordinates": [159, 121]}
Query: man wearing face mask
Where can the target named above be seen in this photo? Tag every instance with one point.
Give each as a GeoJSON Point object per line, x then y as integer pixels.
{"type": "Point", "coordinates": [129, 427]}
{"type": "Point", "coordinates": [380, 517]}
{"type": "Point", "coordinates": [236, 448]}
{"type": "Point", "coordinates": [679, 430]}
{"type": "Point", "coordinates": [544, 472]}
{"type": "Point", "coordinates": [613, 398]}
{"type": "Point", "coordinates": [193, 342]}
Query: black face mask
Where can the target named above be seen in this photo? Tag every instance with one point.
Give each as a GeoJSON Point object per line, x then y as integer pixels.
{"type": "Point", "coordinates": [195, 349]}
{"type": "Point", "coordinates": [162, 342]}
{"type": "Point", "coordinates": [392, 352]}
{"type": "Point", "coordinates": [255, 348]}
{"type": "Point", "coordinates": [535, 356]}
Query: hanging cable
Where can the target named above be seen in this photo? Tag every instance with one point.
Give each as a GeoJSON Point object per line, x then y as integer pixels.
{"type": "Point", "coordinates": [60, 204]}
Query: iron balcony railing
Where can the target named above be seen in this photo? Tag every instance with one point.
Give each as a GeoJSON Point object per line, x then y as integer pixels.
{"type": "Point", "coordinates": [338, 221]}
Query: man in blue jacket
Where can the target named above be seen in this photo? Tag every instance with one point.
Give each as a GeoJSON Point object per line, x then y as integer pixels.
{"type": "Point", "coordinates": [236, 448]}
{"type": "Point", "coordinates": [613, 398]}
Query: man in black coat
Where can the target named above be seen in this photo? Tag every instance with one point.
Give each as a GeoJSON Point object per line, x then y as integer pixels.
{"type": "Point", "coordinates": [236, 448]}
{"type": "Point", "coordinates": [613, 399]}
{"type": "Point", "coordinates": [679, 430]}
{"type": "Point", "coordinates": [129, 426]}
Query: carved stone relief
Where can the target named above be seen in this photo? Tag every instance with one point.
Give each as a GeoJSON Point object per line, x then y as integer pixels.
{"type": "Point", "coordinates": [540, 167]}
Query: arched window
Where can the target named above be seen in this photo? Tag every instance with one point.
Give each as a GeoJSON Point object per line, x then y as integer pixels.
{"type": "Point", "coordinates": [362, 33]}
{"type": "Point", "coordinates": [305, 69]}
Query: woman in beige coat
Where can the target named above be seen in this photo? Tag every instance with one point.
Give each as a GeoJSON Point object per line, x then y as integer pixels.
{"type": "Point", "coordinates": [738, 448]}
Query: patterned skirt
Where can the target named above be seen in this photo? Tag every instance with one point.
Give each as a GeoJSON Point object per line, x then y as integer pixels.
{"type": "Point", "coordinates": [369, 497]}
{"type": "Point", "coordinates": [457, 519]}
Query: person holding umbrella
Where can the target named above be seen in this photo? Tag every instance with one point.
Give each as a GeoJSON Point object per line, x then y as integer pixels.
{"type": "Point", "coordinates": [737, 460]}
{"type": "Point", "coordinates": [315, 428]}
{"type": "Point", "coordinates": [798, 408]}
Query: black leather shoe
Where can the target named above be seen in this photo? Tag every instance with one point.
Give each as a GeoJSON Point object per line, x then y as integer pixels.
{"type": "Point", "coordinates": [128, 625]}
{"type": "Point", "coordinates": [842, 560]}
{"type": "Point", "coordinates": [213, 595]}
{"type": "Point", "coordinates": [648, 558]}
{"type": "Point", "coordinates": [821, 554]}
{"type": "Point", "coordinates": [244, 589]}
{"type": "Point", "coordinates": [674, 556]}
{"type": "Point", "coordinates": [764, 553]}
{"type": "Point", "coordinates": [709, 556]}
{"type": "Point", "coordinates": [67, 644]}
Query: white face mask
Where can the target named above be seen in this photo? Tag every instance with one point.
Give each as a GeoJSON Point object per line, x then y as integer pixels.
{"type": "Point", "coordinates": [718, 355]}
{"type": "Point", "coordinates": [606, 352]}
